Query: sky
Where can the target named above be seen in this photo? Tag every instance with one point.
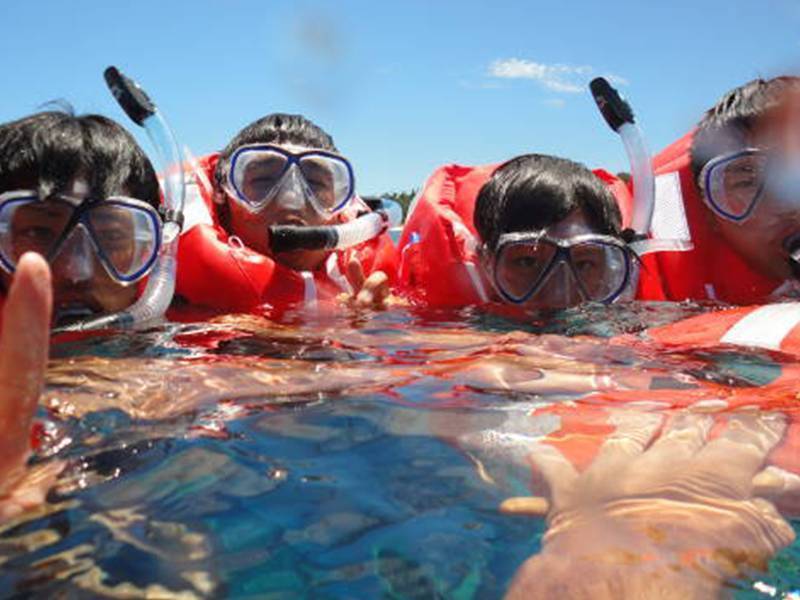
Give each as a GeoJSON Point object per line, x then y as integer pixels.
{"type": "Point", "coordinates": [403, 87]}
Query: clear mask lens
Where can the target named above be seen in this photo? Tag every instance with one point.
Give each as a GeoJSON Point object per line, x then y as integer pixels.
{"type": "Point", "coordinates": [520, 267]}
{"type": "Point", "coordinates": [734, 183]}
{"type": "Point", "coordinates": [600, 269]}
{"type": "Point", "coordinates": [257, 175]}
{"type": "Point", "coordinates": [128, 237]}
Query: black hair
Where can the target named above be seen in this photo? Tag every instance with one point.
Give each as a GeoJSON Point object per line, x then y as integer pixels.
{"type": "Point", "coordinates": [534, 191]}
{"type": "Point", "coordinates": [48, 150]}
{"type": "Point", "coordinates": [277, 128]}
{"type": "Point", "coordinates": [725, 127]}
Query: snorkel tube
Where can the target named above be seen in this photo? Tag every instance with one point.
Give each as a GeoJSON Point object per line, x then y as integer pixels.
{"type": "Point", "coordinates": [285, 238]}
{"type": "Point", "coordinates": [156, 298]}
{"type": "Point", "coordinates": [619, 116]}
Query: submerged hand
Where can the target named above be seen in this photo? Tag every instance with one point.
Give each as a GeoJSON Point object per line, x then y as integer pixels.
{"type": "Point", "coordinates": [669, 519]}
{"type": "Point", "coordinates": [24, 345]}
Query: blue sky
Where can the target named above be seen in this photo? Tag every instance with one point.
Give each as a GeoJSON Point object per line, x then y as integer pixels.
{"type": "Point", "coordinates": [402, 86]}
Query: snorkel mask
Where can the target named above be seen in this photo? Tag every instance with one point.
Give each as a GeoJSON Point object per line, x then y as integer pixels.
{"type": "Point", "coordinates": [560, 272]}
{"type": "Point", "coordinates": [259, 175]}
{"type": "Point", "coordinates": [157, 244]}
{"type": "Point", "coordinates": [122, 234]}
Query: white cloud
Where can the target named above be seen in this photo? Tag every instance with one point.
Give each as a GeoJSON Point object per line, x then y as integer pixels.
{"type": "Point", "coordinates": [568, 79]}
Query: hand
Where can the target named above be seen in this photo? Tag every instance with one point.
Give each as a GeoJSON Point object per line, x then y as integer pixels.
{"type": "Point", "coordinates": [671, 519]}
{"type": "Point", "coordinates": [24, 345]}
{"type": "Point", "coordinates": [369, 292]}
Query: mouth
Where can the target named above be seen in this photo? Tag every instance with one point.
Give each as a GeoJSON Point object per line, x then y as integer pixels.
{"type": "Point", "coordinates": [290, 220]}
{"type": "Point", "coordinates": [791, 244]}
{"type": "Point", "coordinates": [67, 313]}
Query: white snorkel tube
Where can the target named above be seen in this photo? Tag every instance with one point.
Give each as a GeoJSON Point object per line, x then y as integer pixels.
{"type": "Point", "coordinates": [157, 296]}
{"type": "Point", "coordinates": [619, 116]}
{"type": "Point", "coordinates": [285, 238]}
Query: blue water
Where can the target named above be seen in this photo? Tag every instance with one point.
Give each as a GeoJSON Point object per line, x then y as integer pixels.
{"type": "Point", "coordinates": [327, 458]}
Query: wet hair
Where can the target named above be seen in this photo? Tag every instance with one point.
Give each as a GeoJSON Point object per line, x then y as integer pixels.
{"type": "Point", "coordinates": [726, 126]}
{"type": "Point", "coordinates": [533, 191]}
{"type": "Point", "coordinates": [277, 128]}
{"type": "Point", "coordinates": [48, 150]}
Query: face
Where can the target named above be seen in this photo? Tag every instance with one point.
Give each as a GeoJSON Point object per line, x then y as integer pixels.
{"type": "Point", "coordinates": [763, 239]}
{"type": "Point", "coordinates": [81, 285]}
{"type": "Point", "coordinates": [291, 205]}
{"type": "Point", "coordinates": [541, 274]}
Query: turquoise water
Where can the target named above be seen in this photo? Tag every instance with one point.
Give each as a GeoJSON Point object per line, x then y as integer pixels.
{"type": "Point", "coordinates": [346, 457]}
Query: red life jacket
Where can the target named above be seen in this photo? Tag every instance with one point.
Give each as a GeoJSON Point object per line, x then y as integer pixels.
{"type": "Point", "coordinates": [584, 424]}
{"type": "Point", "coordinates": [438, 247]}
{"type": "Point", "coordinates": [216, 270]}
{"type": "Point", "coordinates": [705, 268]}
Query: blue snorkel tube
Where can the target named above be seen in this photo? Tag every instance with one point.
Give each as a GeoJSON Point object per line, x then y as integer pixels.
{"type": "Point", "coordinates": [157, 296]}
{"type": "Point", "coordinates": [619, 116]}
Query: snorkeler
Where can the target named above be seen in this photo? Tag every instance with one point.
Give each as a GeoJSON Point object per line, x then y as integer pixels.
{"type": "Point", "coordinates": [546, 234]}
{"type": "Point", "coordinates": [727, 202]}
{"type": "Point", "coordinates": [79, 191]}
{"type": "Point", "coordinates": [267, 222]}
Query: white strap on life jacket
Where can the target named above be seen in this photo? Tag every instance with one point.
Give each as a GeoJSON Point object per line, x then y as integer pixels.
{"type": "Point", "coordinates": [195, 210]}
{"type": "Point", "coordinates": [309, 289]}
{"type": "Point", "coordinates": [765, 327]}
{"type": "Point", "coordinates": [335, 274]}
{"type": "Point", "coordinates": [669, 228]}
{"type": "Point", "coordinates": [470, 248]}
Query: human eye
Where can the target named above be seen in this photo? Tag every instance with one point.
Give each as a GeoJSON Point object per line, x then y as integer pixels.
{"type": "Point", "coordinates": [524, 262]}
{"type": "Point", "coordinates": [37, 234]}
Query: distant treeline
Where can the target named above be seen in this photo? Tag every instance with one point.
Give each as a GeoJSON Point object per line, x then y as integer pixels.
{"type": "Point", "coordinates": [404, 199]}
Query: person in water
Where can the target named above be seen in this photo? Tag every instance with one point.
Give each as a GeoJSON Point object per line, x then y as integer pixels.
{"type": "Point", "coordinates": [280, 170]}
{"type": "Point", "coordinates": [550, 234]}
{"type": "Point", "coordinates": [547, 235]}
{"type": "Point", "coordinates": [728, 193]}
{"type": "Point", "coordinates": [79, 191]}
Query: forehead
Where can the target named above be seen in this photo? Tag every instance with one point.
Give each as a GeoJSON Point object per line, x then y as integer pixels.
{"type": "Point", "coordinates": [780, 128]}
{"type": "Point", "coordinates": [574, 224]}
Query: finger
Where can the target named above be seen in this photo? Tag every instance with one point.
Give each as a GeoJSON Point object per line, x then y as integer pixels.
{"type": "Point", "coordinates": [355, 274]}
{"type": "Point", "coordinates": [23, 357]}
{"type": "Point", "coordinates": [745, 442]}
{"type": "Point", "coordinates": [374, 291]}
{"type": "Point", "coordinates": [531, 506]}
{"type": "Point", "coordinates": [558, 473]}
{"type": "Point", "coordinates": [779, 486]}
{"type": "Point", "coordinates": [684, 435]}
{"type": "Point", "coordinates": [634, 431]}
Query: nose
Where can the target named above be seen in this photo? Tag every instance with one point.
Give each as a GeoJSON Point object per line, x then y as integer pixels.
{"type": "Point", "coordinates": [74, 261]}
{"type": "Point", "coordinates": [292, 195]}
{"type": "Point", "coordinates": [560, 289]}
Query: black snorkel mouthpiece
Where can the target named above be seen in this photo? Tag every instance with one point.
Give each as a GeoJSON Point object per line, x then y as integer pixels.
{"type": "Point", "coordinates": [131, 98]}
{"type": "Point", "coordinates": [614, 109]}
{"type": "Point", "coordinates": [286, 238]}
